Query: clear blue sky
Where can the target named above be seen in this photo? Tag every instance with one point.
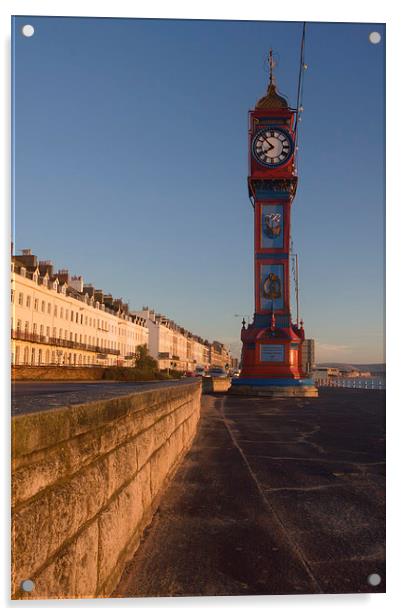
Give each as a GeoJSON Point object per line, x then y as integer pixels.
{"type": "Point", "coordinates": [131, 167]}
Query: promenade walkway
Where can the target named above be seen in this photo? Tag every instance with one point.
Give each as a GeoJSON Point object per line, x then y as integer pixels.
{"type": "Point", "coordinates": [275, 497]}
{"type": "Point", "coordinates": [34, 396]}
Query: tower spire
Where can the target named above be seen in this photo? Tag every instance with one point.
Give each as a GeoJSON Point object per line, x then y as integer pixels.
{"type": "Point", "coordinates": [271, 68]}
{"type": "Point", "coordinates": [272, 100]}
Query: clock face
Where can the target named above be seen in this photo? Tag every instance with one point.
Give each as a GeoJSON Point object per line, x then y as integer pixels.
{"type": "Point", "coordinates": [272, 146]}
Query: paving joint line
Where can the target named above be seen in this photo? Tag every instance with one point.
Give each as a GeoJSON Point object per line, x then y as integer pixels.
{"type": "Point", "coordinates": [220, 407]}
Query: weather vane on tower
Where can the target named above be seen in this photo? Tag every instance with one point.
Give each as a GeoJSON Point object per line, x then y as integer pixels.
{"type": "Point", "coordinates": [272, 65]}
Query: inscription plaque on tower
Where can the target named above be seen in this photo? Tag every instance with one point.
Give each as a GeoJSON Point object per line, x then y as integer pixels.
{"type": "Point", "coordinates": [272, 352]}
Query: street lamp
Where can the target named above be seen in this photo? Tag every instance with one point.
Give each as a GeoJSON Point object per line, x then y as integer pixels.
{"type": "Point", "coordinates": [244, 316]}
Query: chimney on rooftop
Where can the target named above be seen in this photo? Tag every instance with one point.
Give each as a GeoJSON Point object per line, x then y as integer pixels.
{"type": "Point", "coordinates": [77, 282]}
{"type": "Point", "coordinates": [63, 276]}
{"type": "Point", "coordinates": [27, 258]}
{"type": "Point", "coordinates": [45, 266]}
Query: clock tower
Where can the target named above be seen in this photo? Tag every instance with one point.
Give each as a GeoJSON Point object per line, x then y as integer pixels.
{"type": "Point", "coordinates": [271, 362]}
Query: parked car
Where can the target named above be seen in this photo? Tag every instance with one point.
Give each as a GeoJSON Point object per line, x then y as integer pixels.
{"type": "Point", "coordinates": [199, 371]}
{"type": "Point", "coordinates": [189, 373]}
{"type": "Point", "coordinates": [218, 373]}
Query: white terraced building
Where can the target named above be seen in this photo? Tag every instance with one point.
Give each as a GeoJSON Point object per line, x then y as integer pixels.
{"type": "Point", "coordinates": [57, 320]}
{"type": "Point", "coordinates": [173, 346]}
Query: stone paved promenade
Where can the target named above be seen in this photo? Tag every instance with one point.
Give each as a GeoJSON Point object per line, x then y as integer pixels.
{"type": "Point", "coordinates": [275, 497]}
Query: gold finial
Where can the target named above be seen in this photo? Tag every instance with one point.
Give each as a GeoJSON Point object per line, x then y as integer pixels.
{"type": "Point", "coordinates": [272, 64]}
{"type": "Point", "coordinates": [272, 100]}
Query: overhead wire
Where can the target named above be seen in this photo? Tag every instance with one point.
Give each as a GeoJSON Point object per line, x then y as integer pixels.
{"type": "Point", "coordinates": [299, 110]}
{"type": "Point", "coordinates": [300, 82]}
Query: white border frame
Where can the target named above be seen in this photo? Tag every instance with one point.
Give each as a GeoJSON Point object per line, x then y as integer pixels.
{"type": "Point", "coordinates": [309, 10]}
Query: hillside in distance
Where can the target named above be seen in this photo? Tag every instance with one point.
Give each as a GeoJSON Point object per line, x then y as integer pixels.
{"type": "Point", "coordinates": [373, 368]}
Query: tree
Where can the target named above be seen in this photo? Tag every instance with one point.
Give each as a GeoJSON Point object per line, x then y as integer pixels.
{"type": "Point", "coordinates": [143, 359]}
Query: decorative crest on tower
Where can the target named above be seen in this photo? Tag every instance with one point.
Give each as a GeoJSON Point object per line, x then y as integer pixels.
{"type": "Point", "coordinates": [272, 100]}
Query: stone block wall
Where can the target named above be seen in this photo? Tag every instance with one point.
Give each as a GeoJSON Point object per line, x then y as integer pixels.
{"type": "Point", "coordinates": [86, 482]}
{"type": "Point", "coordinates": [57, 373]}
{"type": "Point", "coordinates": [215, 385]}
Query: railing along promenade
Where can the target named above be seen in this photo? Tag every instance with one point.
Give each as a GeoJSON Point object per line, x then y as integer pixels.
{"type": "Point", "coordinates": [374, 383]}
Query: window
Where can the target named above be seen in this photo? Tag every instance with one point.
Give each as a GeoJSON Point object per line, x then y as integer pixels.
{"type": "Point", "coordinates": [66, 314]}
{"type": "Point", "coordinates": [82, 318]}
{"type": "Point", "coordinates": [43, 306]}
{"type": "Point", "coordinates": [34, 328]}
{"type": "Point", "coordinates": [72, 316]}
{"type": "Point", "coordinates": [19, 325]}
{"type": "Point", "coordinates": [55, 311]}
{"type": "Point", "coordinates": [61, 313]}
{"type": "Point", "coordinates": [12, 296]}
{"type": "Point", "coordinates": [54, 332]}
{"type": "Point", "coordinates": [26, 327]}
{"type": "Point", "coordinates": [76, 317]}
{"type": "Point", "coordinates": [49, 308]}
{"type": "Point", "coordinates": [28, 301]}
{"type": "Point", "coordinates": [48, 331]}
{"type": "Point", "coordinates": [36, 304]}
{"type": "Point", "coordinates": [41, 330]}
{"type": "Point", "coordinates": [21, 299]}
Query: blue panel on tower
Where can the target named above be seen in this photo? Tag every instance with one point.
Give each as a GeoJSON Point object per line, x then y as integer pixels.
{"type": "Point", "coordinates": [264, 320]}
{"type": "Point", "coordinates": [271, 287]}
{"type": "Point", "coordinates": [272, 223]}
{"type": "Point", "coordinates": [266, 193]}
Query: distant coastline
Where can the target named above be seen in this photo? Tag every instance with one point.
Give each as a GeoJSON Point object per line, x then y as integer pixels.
{"type": "Point", "coordinates": [375, 369]}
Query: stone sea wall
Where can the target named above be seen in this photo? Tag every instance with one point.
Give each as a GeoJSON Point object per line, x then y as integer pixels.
{"type": "Point", "coordinates": [86, 481]}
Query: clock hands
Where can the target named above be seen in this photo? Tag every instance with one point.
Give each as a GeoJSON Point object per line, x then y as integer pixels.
{"type": "Point", "coordinates": [272, 147]}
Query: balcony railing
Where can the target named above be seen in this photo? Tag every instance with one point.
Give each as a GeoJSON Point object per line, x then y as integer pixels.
{"type": "Point", "coordinates": [18, 334]}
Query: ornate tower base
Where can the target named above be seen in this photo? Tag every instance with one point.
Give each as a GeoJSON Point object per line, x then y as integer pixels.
{"type": "Point", "coordinates": [304, 388]}
{"type": "Point", "coordinates": [271, 365]}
